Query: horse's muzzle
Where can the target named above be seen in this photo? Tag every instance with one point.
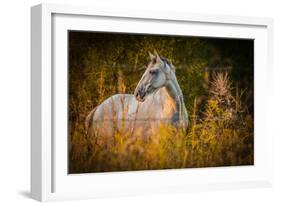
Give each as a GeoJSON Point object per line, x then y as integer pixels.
{"type": "Point", "coordinates": [139, 97]}
{"type": "Point", "coordinates": [140, 94]}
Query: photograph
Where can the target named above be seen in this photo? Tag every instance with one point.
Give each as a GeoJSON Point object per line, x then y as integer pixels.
{"type": "Point", "coordinates": [152, 102]}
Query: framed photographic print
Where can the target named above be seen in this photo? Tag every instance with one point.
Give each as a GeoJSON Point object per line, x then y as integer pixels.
{"type": "Point", "coordinates": [137, 102]}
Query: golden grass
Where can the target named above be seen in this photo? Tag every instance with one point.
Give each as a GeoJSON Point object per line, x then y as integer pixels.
{"type": "Point", "coordinates": [221, 136]}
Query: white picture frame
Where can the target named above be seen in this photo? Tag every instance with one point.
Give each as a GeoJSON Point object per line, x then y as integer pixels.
{"type": "Point", "coordinates": [49, 178]}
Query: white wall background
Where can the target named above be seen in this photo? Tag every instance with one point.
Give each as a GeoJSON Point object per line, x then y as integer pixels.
{"type": "Point", "coordinates": [15, 101]}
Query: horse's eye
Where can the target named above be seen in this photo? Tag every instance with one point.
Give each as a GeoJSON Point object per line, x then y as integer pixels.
{"type": "Point", "coordinates": [153, 71]}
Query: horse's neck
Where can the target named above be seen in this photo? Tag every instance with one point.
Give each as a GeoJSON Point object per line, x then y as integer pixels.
{"type": "Point", "coordinates": [174, 91]}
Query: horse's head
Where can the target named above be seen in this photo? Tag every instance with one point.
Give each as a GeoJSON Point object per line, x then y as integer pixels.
{"type": "Point", "coordinates": [156, 75]}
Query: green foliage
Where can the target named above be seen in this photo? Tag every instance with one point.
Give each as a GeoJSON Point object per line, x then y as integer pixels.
{"type": "Point", "coordinates": [221, 119]}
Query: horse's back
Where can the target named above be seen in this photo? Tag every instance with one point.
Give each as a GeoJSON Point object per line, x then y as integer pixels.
{"type": "Point", "coordinates": [107, 117]}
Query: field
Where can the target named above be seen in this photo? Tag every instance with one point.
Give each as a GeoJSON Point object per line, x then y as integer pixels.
{"type": "Point", "coordinates": [215, 75]}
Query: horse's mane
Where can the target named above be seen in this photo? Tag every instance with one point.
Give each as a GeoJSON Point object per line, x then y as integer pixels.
{"type": "Point", "coordinates": [168, 62]}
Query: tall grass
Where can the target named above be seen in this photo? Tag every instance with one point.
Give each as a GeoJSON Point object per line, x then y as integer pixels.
{"type": "Point", "coordinates": [221, 135]}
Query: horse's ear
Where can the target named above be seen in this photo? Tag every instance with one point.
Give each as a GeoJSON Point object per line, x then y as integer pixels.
{"type": "Point", "coordinates": [155, 53]}
{"type": "Point", "coordinates": [158, 58]}
{"type": "Point", "coordinates": [151, 56]}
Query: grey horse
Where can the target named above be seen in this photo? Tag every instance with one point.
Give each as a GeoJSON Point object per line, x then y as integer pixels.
{"type": "Point", "coordinates": [158, 99]}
